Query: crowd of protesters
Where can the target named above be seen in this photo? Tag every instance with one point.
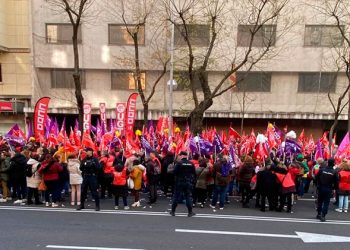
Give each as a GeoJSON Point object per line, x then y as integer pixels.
{"type": "Point", "coordinates": [35, 172]}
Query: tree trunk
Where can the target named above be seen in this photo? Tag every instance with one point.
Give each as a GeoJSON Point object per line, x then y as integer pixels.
{"type": "Point", "coordinates": [145, 114]}
{"type": "Point", "coordinates": [331, 132]}
{"type": "Point", "coordinates": [242, 123]}
{"type": "Point", "coordinates": [197, 115]}
{"type": "Point", "coordinates": [77, 79]}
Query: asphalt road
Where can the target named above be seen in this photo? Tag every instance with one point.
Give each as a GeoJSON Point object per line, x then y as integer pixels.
{"type": "Point", "coordinates": [24, 227]}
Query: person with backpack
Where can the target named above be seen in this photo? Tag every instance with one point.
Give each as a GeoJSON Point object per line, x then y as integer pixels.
{"type": "Point", "coordinates": [119, 185]}
{"type": "Point", "coordinates": [136, 175]}
{"type": "Point", "coordinates": [18, 167]}
{"type": "Point", "coordinates": [153, 168]}
{"type": "Point", "coordinates": [33, 181]}
{"type": "Point", "coordinates": [344, 187]}
{"type": "Point", "coordinates": [185, 176]}
{"type": "Point", "coordinates": [221, 180]}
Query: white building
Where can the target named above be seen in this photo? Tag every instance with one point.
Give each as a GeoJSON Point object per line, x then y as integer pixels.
{"type": "Point", "coordinates": [291, 86]}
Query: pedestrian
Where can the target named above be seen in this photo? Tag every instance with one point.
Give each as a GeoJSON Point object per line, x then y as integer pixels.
{"type": "Point", "coordinates": [202, 173]}
{"type": "Point", "coordinates": [107, 165]}
{"type": "Point", "coordinates": [75, 179]}
{"type": "Point", "coordinates": [18, 166]}
{"type": "Point", "coordinates": [185, 175]}
{"type": "Point", "coordinates": [246, 173]}
{"type": "Point", "coordinates": [221, 181]}
{"type": "Point", "coordinates": [90, 168]}
{"type": "Point", "coordinates": [287, 187]}
{"type": "Point", "coordinates": [50, 170]}
{"type": "Point", "coordinates": [344, 188]}
{"type": "Point", "coordinates": [33, 181]}
{"type": "Point", "coordinates": [153, 168]}
{"type": "Point", "coordinates": [136, 175]}
{"type": "Point", "coordinates": [326, 181]}
{"type": "Point", "coordinates": [4, 175]}
{"type": "Point", "coordinates": [119, 185]}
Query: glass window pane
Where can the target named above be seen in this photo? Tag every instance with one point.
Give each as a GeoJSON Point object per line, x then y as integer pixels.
{"type": "Point", "coordinates": [317, 82]}
{"type": "Point", "coordinates": [124, 80]}
{"type": "Point", "coordinates": [118, 34]}
{"type": "Point", "coordinates": [253, 82]}
{"type": "Point", "coordinates": [265, 36]}
{"type": "Point", "coordinates": [199, 35]}
{"type": "Point", "coordinates": [64, 79]}
{"type": "Point", "coordinates": [51, 31]}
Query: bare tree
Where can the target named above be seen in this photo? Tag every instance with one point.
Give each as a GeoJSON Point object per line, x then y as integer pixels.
{"type": "Point", "coordinates": [255, 14]}
{"type": "Point", "coordinates": [338, 12]}
{"type": "Point", "coordinates": [135, 16]}
{"type": "Point", "coordinates": [75, 10]}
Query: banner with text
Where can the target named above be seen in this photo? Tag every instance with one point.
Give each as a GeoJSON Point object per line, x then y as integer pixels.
{"type": "Point", "coordinates": [40, 116]}
{"type": "Point", "coordinates": [120, 116]}
{"type": "Point", "coordinates": [87, 117]}
{"type": "Point", "coordinates": [130, 113]}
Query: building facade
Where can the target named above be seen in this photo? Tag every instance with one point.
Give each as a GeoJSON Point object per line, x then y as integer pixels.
{"type": "Point", "coordinates": [292, 85]}
{"type": "Point", "coordinates": [15, 62]}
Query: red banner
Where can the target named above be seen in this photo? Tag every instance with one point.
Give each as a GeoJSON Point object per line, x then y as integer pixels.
{"type": "Point", "coordinates": [6, 106]}
{"type": "Point", "coordinates": [130, 113]}
{"type": "Point", "coordinates": [103, 115]}
{"type": "Point", "coordinates": [120, 116]}
{"type": "Point", "coordinates": [40, 116]}
{"type": "Point", "coordinates": [87, 117]}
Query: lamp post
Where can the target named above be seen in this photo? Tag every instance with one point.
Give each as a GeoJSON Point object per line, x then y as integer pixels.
{"type": "Point", "coordinates": [171, 81]}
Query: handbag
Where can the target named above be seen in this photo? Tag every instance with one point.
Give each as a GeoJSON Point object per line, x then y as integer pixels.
{"type": "Point", "coordinates": [130, 183]}
{"type": "Point", "coordinates": [42, 186]}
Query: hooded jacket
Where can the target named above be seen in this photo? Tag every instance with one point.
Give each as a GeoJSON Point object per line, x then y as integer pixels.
{"type": "Point", "coordinates": [35, 179]}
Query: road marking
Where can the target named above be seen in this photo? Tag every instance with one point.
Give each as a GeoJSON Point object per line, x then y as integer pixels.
{"type": "Point", "coordinates": [305, 237]}
{"type": "Point", "coordinates": [88, 248]}
{"type": "Point", "coordinates": [165, 213]}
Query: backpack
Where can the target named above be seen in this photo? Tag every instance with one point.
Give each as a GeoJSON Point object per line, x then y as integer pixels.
{"type": "Point", "coordinates": [225, 170]}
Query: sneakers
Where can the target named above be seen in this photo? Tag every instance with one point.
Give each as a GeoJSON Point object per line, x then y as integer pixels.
{"type": "Point", "coordinates": [54, 204]}
{"type": "Point", "coordinates": [72, 203]}
{"type": "Point", "coordinates": [213, 207]}
{"type": "Point", "coordinates": [172, 213]}
{"type": "Point", "coordinates": [116, 207]}
{"type": "Point", "coordinates": [345, 211]}
{"type": "Point", "coordinates": [339, 210]}
{"type": "Point", "coordinates": [47, 204]}
{"type": "Point", "coordinates": [221, 208]}
{"type": "Point", "coordinates": [202, 205]}
{"type": "Point", "coordinates": [126, 208]}
{"type": "Point", "coordinates": [191, 214]}
{"type": "Point", "coordinates": [3, 200]}
{"type": "Point", "coordinates": [136, 204]}
{"type": "Point", "coordinates": [17, 202]}
{"type": "Point", "coordinates": [78, 203]}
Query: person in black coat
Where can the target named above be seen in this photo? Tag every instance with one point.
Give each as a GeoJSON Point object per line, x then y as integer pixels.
{"type": "Point", "coordinates": [18, 166]}
{"type": "Point", "coordinates": [266, 186]}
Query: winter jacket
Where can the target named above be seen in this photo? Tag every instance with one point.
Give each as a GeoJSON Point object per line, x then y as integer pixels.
{"type": "Point", "coordinates": [266, 182]}
{"type": "Point", "coordinates": [221, 180]}
{"type": "Point", "coordinates": [35, 179]}
{"type": "Point", "coordinates": [5, 169]}
{"type": "Point", "coordinates": [50, 170]}
{"type": "Point", "coordinates": [107, 164]}
{"type": "Point", "coordinates": [246, 173]}
{"type": "Point", "coordinates": [120, 176]}
{"type": "Point", "coordinates": [136, 175]}
{"type": "Point", "coordinates": [202, 177]}
{"type": "Point", "coordinates": [344, 182]}
{"type": "Point", "coordinates": [75, 177]}
{"type": "Point", "coordinates": [184, 172]}
{"type": "Point", "coordinates": [18, 166]}
{"type": "Point", "coordinates": [326, 178]}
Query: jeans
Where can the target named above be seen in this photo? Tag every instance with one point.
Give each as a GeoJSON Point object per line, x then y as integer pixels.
{"type": "Point", "coordinates": [116, 201]}
{"type": "Point", "coordinates": [245, 190]}
{"type": "Point", "coordinates": [53, 188]}
{"type": "Point", "coordinates": [152, 193]}
{"type": "Point", "coordinates": [184, 189]}
{"type": "Point", "coordinates": [283, 198]}
{"type": "Point", "coordinates": [219, 191]}
{"type": "Point", "coordinates": [31, 192]}
{"type": "Point", "coordinates": [343, 202]}
{"type": "Point", "coordinates": [324, 197]}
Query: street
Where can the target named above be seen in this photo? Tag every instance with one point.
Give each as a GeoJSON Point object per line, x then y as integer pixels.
{"type": "Point", "coordinates": [25, 227]}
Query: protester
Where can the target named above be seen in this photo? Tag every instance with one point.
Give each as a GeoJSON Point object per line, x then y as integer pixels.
{"type": "Point", "coordinates": [4, 175]}
{"type": "Point", "coordinates": [75, 179]}
{"type": "Point", "coordinates": [222, 179]}
{"type": "Point", "coordinates": [202, 173]}
{"type": "Point", "coordinates": [120, 188]}
{"type": "Point", "coordinates": [153, 168]}
{"type": "Point", "coordinates": [136, 175]}
{"type": "Point", "coordinates": [33, 181]}
{"type": "Point", "coordinates": [246, 173]}
{"type": "Point", "coordinates": [344, 187]}
{"type": "Point", "coordinates": [107, 160]}
{"type": "Point", "coordinates": [18, 166]}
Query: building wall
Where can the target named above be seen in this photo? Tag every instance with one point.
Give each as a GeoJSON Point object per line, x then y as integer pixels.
{"type": "Point", "coordinates": [98, 58]}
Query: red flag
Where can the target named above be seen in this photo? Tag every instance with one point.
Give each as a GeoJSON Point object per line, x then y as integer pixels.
{"type": "Point", "coordinates": [87, 141]}
{"type": "Point", "coordinates": [233, 133]}
{"type": "Point", "coordinates": [40, 116]}
{"type": "Point", "coordinates": [130, 113]}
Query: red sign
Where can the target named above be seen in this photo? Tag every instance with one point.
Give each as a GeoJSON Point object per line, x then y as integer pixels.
{"type": "Point", "coordinates": [103, 115]}
{"type": "Point", "coordinates": [40, 116]}
{"type": "Point", "coordinates": [120, 116]}
{"type": "Point", "coordinates": [87, 117]}
{"type": "Point", "coordinates": [130, 113]}
{"type": "Point", "coordinates": [6, 106]}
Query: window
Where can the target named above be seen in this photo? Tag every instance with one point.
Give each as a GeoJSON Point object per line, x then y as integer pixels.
{"type": "Point", "coordinates": [265, 36]}
{"type": "Point", "coordinates": [183, 81]}
{"type": "Point", "coordinates": [63, 79]}
{"type": "Point", "coordinates": [118, 34]}
{"type": "Point", "coordinates": [253, 82]}
{"type": "Point", "coordinates": [61, 33]}
{"type": "Point", "coordinates": [317, 82]}
{"type": "Point", "coordinates": [323, 35]}
{"type": "Point", "coordinates": [199, 35]}
{"type": "Point", "coordinates": [125, 80]}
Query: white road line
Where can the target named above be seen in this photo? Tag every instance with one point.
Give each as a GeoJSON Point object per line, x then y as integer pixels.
{"type": "Point", "coordinates": [88, 248]}
{"type": "Point", "coordinates": [165, 213]}
{"type": "Point", "coordinates": [305, 237]}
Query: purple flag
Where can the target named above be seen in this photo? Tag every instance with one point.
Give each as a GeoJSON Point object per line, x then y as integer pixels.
{"type": "Point", "coordinates": [205, 147]}
{"type": "Point", "coordinates": [146, 145]}
{"type": "Point", "coordinates": [217, 143]}
{"type": "Point", "coordinates": [319, 151]}
{"type": "Point", "coordinates": [231, 155]}
{"type": "Point", "coordinates": [344, 143]}
{"type": "Point", "coordinates": [193, 146]}
{"type": "Point", "coordinates": [292, 147]}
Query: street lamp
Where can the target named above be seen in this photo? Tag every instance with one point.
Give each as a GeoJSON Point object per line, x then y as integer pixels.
{"type": "Point", "coordinates": [171, 82]}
